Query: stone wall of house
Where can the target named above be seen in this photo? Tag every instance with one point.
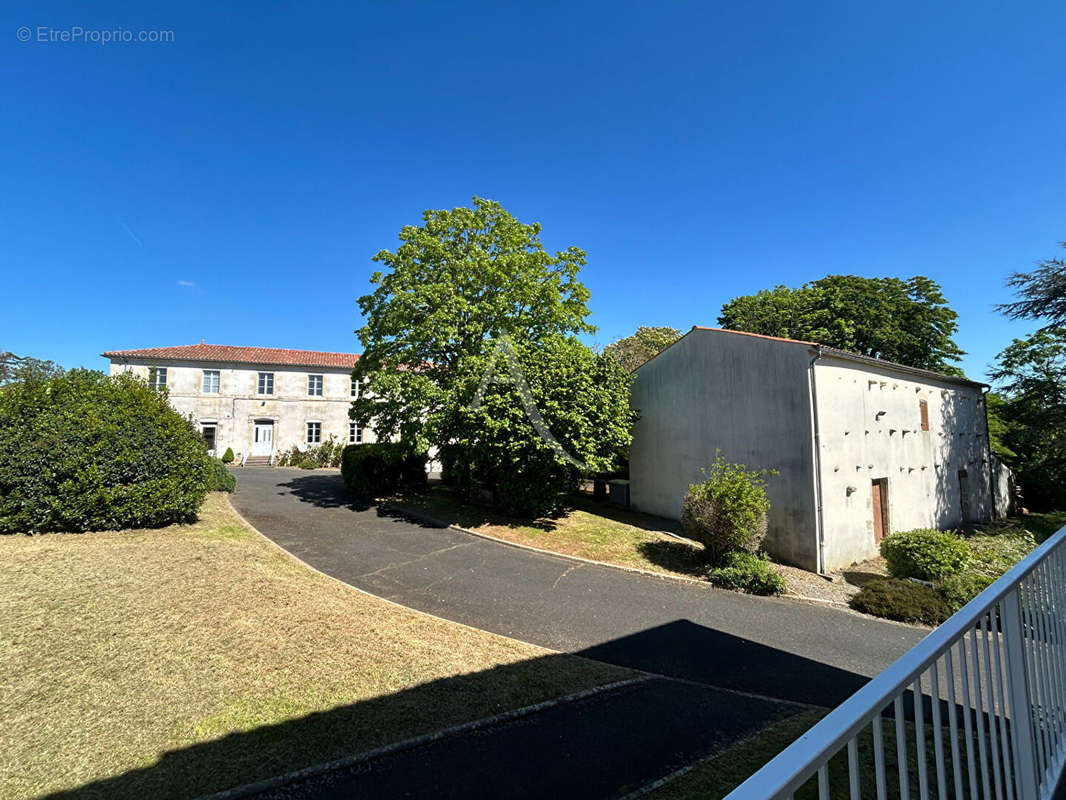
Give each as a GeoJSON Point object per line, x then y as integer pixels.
{"type": "Point", "coordinates": [237, 406]}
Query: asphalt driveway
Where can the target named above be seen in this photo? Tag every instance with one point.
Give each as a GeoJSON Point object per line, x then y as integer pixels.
{"type": "Point", "coordinates": [725, 664]}
{"type": "Point", "coordinates": [768, 646]}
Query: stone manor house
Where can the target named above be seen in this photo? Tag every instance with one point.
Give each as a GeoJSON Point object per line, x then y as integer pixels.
{"type": "Point", "coordinates": [256, 400]}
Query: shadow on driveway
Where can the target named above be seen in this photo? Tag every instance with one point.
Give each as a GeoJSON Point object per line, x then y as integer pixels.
{"type": "Point", "coordinates": [593, 747]}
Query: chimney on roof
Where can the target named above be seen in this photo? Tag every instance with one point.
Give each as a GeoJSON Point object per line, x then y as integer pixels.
{"type": "Point", "coordinates": [202, 341]}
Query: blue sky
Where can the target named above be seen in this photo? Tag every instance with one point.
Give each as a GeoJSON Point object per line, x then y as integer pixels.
{"type": "Point", "coordinates": [232, 185]}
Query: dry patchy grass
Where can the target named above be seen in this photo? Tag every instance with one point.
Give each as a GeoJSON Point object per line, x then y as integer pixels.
{"type": "Point", "coordinates": [586, 529]}
{"type": "Point", "coordinates": [180, 661]}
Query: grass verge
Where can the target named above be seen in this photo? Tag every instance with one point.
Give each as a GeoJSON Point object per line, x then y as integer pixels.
{"type": "Point", "coordinates": [590, 530]}
{"type": "Point", "coordinates": [182, 661]}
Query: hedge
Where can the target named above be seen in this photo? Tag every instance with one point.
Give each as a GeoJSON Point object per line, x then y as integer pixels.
{"type": "Point", "coordinates": [381, 468]}
{"type": "Point", "coordinates": [905, 601]}
{"type": "Point", "coordinates": [84, 451]}
{"type": "Point", "coordinates": [747, 572]}
{"type": "Point", "coordinates": [221, 479]}
{"type": "Point", "coordinates": [925, 554]}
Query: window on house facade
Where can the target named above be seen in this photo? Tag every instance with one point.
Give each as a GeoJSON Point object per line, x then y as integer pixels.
{"type": "Point", "coordinates": [355, 433]}
{"type": "Point", "coordinates": [923, 408]}
{"type": "Point", "coordinates": [314, 385]}
{"type": "Point", "coordinates": [358, 387]}
{"type": "Point", "coordinates": [211, 381]}
{"type": "Point", "coordinates": [266, 383]}
{"type": "Point", "coordinates": [157, 377]}
{"type": "Point", "coordinates": [314, 432]}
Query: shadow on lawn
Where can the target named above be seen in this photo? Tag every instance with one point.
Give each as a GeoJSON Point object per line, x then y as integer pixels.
{"type": "Point", "coordinates": [592, 748]}
{"type": "Point", "coordinates": [680, 557]}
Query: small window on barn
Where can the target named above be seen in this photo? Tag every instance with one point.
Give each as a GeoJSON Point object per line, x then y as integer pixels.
{"type": "Point", "coordinates": [923, 407]}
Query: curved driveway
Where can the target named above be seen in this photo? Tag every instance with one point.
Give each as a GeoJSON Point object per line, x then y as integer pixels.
{"type": "Point", "coordinates": [768, 646]}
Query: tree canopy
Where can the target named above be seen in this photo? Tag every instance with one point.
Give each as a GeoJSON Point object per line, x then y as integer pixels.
{"type": "Point", "coordinates": [457, 288]}
{"type": "Point", "coordinates": [1032, 415]}
{"type": "Point", "coordinates": [454, 286]}
{"type": "Point", "coordinates": [19, 368]}
{"type": "Point", "coordinates": [632, 351]}
{"type": "Point", "coordinates": [1042, 293]}
{"type": "Point", "coordinates": [906, 321]}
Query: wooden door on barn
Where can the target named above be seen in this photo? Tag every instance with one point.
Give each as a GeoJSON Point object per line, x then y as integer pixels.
{"type": "Point", "coordinates": [879, 489]}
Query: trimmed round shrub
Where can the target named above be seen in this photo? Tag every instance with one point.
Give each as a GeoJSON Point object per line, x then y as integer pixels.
{"type": "Point", "coordinates": [958, 590]}
{"type": "Point", "coordinates": [227, 457]}
{"type": "Point", "coordinates": [728, 511]}
{"type": "Point", "coordinates": [905, 601]}
{"type": "Point", "coordinates": [747, 572]}
{"type": "Point", "coordinates": [86, 452]}
{"type": "Point", "coordinates": [382, 468]}
{"type": "Point", "coordinates": [221, 479]}
{"type": "Point", "coordinates": [925, 553]}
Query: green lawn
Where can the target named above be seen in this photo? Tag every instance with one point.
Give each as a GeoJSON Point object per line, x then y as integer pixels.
{"type": "Point", "coordinates": [182, 661]}
{"type": "Point", "coordinates": [587, 529]}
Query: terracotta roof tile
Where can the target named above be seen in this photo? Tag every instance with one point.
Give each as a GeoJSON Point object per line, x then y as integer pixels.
{"type": "Point", "coordinates": [240, 355]}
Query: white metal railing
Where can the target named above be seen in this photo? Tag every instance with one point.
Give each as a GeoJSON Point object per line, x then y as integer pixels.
{"type": "Point", "coordinates": [976, 709]}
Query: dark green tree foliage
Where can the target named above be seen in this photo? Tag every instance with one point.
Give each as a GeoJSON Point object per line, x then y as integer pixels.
{"type": "Point", "coordinates": [381, 468]}
{"type": "Point", "coordinates": [1032, 375]}
{"type": "Point", "coordinates": [19, 368]}
{"type": "Point", "coordinates": [632, 351]}
{"type": "Point", "coordinates": [456, 287]}
{"type": "Point", "coordinates": [82, 451]}
{"type": "Point", "coordinates": [453, 287]}
{"type": "Point", "coordinates": [906, 321]}
{"type": "Point", "coordinates": [581, 397]}
{"type": "Point", "coordinates": [1041, 293]}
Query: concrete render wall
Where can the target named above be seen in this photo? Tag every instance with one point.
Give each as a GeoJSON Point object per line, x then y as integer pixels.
{"type": "Point", "coordinates": [870, 428]}
{"type": "Point", "coordinates": [746, 396]}
{"type": "Point", "coordinates": [237, 405]}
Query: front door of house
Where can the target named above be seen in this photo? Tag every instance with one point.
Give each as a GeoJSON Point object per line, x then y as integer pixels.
{"type": "Point", "coordinates": [263, 439]}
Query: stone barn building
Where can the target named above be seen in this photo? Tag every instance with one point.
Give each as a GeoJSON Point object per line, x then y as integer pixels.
{"type": "Point", "coordinates": [862, 447]}
{"type": "Point", "coordinates": [258, 401]}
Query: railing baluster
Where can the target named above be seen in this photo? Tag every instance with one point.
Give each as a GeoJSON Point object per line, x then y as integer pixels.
{"type": "Point", "coordinates": [879, 757]}
{"type": "Point", "coordinates": [1023, 738]}
{"type": "Point", "coordinates": [1051, 667]}
{"type": "Point", "coordinates": [979, 713]}
{"type": "Point", "coordinates": [938, 734]}
{"type": "Point", "coordinates": [1058, 579]}
{"type": "Point", "coordinates": [854, 788]}
{"type": "Point", "coordinates": [901, 748]}
{"type": "Point", "coordinates": [953, 723]}
{"type": "Point", "coordinates": [990, 709]}
{"type": "Point", "coordinates": [919, 740]}
{"type": "Point", "coordinates": [971, 767]}
{"type": "Point", "coordinates": [1041, 667]}
{"type": "Point", "coordinates": [823, 782]}
{"type": "Point", "coordinates": [995, 618]}
{"type": "Point", "coordinates": [1052, 648]}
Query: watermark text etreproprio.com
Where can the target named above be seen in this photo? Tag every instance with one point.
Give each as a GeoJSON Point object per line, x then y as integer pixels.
{"type": "Point", "coordinates": [76, 34]}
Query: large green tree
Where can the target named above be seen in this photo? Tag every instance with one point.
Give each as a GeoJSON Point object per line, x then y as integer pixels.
{"type": "Point", "coordinates": [1041, 293]}
{"type": "Point", "coordinates": [632, 351]}
{"type": "Point", "coordinates": [1032, 375]}
{"type": "Point", "coordinates": [906, 321]}
{"type": "Point", "coordinates": [20, 368]}
{"type": "Point", "coordinates": [457, 287]}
